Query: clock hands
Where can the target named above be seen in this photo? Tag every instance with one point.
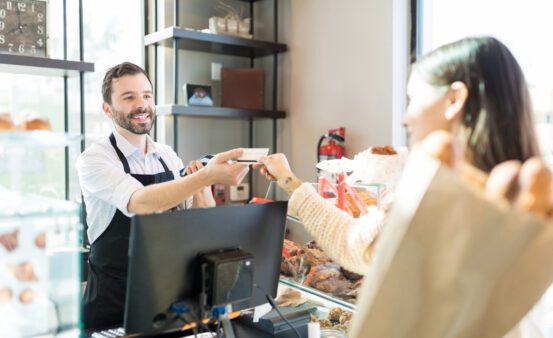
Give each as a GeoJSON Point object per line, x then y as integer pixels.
{"type": "Point", "coordinates": [20, 27]}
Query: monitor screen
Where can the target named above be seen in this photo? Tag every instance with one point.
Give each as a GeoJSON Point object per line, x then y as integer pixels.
{"type": "Point", "coordinates": [163, 258]}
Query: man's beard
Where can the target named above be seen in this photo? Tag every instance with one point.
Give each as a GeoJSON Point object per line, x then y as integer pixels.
{"type": "Point", "coordinates": [124, 121]}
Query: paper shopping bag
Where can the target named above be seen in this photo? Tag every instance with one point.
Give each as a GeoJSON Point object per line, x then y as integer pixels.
{"type": "Point", "coordinates": [449, 263]}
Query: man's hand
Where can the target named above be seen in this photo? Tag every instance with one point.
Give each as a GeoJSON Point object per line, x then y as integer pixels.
{"type": "Point", "coordinates": [221, 168]}
{"type": "Point", "coordinates": [204, 197]}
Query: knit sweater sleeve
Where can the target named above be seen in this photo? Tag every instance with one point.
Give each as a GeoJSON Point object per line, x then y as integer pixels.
{"type": "Point", "coordinates": [343, 238]}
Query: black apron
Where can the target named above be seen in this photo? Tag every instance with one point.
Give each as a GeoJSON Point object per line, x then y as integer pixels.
{"type": "Point", "coordinates": [104, 298]}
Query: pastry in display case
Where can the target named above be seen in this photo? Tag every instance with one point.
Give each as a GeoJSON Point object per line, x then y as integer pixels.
{"type": "Point", "coordinates": [309, 265]}
{"type": "Point", "coordinates": [40, 239]}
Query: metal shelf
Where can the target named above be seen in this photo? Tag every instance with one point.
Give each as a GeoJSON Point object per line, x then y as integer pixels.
{"type": "Point", "coordinates": [31, 65]}
{"type": "Point", "coordinates": [190, 39]}
{"type": "Point", "coordinates": [179, 110]}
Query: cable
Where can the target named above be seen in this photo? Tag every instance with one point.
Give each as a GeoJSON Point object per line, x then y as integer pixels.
{"type": "Point", "coordinates": [274, 305]}
{"type": "Point", "coordinates": [201, 324]}
{"type": "Point", "coordinates": [183, 312]}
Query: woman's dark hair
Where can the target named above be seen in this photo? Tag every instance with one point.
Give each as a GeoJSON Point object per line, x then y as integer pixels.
{"type": "Point", "coordinates": [497, 115]}
{"type": "Point", "coordinates": [115, 72]}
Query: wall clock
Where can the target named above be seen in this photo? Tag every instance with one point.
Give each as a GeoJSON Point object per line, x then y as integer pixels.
{"type": "Point", "coordinates": [23, 27]}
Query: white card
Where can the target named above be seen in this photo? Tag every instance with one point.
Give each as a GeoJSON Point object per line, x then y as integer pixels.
{"type": "Point", "coordinates": [252, 155]}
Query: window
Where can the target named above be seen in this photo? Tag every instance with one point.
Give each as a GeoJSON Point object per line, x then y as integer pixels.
{"type": "Point", "coordinates": [524, 26]}
{"type": "Point", "coordinates": [112, 34]}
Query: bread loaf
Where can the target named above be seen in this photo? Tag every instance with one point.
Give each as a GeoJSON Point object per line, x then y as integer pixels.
{"type": "Point", "coordinates": [383, 150]}
{"type": "Point", "coordinates": [6, 122]}
{"type": "Point", "coordinates": [535, 187]}
{"type": "Point", "coordinates": [36, 124]}
{"type": "Point", "coordinates": [503, 181]}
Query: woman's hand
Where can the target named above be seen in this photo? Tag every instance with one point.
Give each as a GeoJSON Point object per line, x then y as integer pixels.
{"type": "Point", "coordinates": [204, 197]}
{"type": "Point", "coordinates": [276, 168]}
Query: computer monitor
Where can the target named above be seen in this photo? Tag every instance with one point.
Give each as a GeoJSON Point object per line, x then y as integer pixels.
{"type": "Point", "coordinates": [164, 251]}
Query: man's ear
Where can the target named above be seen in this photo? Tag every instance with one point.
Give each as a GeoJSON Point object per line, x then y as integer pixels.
{"type": "Point", "coordinates": [107, 109]}
{"type": "Point", "coordinates": [457, 96]}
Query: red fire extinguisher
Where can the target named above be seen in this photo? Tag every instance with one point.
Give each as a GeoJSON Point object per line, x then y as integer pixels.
{"type": "Point", "coordinates": [330, 145]}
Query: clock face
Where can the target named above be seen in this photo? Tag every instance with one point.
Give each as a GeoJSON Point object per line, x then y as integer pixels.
{"type": "Point", "coordinates": [23, 27]}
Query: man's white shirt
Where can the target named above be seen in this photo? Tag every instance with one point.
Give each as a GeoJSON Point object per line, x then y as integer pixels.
{"type": "Point", "coordinates": [105, 185]}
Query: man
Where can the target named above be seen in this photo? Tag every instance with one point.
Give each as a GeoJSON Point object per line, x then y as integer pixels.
{"type": "Point", "coordinates": [127, 174]}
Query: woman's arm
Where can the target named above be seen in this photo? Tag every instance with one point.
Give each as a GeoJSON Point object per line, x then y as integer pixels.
{"type": "Point", "coordinates": [343, 238]}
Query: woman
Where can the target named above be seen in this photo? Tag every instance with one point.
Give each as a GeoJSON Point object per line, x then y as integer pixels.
{"type": "Point", "coordinates": [473, 89]}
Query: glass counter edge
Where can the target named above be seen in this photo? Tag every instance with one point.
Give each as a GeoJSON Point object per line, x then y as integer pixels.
{"type": "Point", "coordinates": [339, 302]}
{"type": "Point", "coordinates": [38, 138]}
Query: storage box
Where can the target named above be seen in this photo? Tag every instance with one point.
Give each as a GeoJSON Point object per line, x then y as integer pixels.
{"type": "Point", "coordinates": [242, 88]}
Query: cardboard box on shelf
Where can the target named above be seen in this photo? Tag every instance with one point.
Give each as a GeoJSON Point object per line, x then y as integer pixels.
{"type": "Point", "coordinates": [242, 88]}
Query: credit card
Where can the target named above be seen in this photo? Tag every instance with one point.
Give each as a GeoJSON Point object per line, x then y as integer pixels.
{"type": "Point", "coordinates": [252, 155]}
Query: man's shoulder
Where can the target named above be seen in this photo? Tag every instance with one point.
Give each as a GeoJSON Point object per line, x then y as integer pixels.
{"type": "Point", "coordinates": [98, 151]}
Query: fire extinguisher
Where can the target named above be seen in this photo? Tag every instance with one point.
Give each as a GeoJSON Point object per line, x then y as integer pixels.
{"type": "Point", "coordinates": [330, 145]}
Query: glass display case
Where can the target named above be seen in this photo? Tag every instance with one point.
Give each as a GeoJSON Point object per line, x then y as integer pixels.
{"type": "Point", "coordinates": [40, 239]}
{"type": "Point", "coordinates": [307, 269]}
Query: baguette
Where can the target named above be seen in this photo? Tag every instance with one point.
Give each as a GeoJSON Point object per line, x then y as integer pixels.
{"type": "Point", "coordinates": [503, 181]}
{"type": "Point", "coordinates": [535, 187]}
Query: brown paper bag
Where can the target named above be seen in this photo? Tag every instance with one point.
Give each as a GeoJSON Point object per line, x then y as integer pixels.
{"type": "Point", "coordinates": [449, 263]}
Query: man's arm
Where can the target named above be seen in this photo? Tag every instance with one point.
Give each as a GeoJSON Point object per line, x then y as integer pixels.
{"type": "Point", "coordinates": [164, 196]}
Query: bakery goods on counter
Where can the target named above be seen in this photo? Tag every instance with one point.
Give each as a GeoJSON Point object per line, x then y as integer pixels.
{"type": "Point", "coordinates": [6, 123]}
{"type": "Point", "coordinates": [36, 124]}
{"type": "Point", "coordinates": [309, 265]}
{"type": "Point", "coordinates": [28, 124]}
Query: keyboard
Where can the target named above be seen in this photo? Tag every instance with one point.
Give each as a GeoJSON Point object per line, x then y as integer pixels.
{"type": "Point", "coordinates": [120, 332]}
{"type": "Point", "coordinates": [109, 333]}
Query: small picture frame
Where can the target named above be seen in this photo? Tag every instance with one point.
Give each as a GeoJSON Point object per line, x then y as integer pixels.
{"type": "Point", "coordinates": [198, 95]}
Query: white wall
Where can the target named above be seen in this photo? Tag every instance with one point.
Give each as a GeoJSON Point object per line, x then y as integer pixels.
{"type": "Point", "coordinates": [341, 63]}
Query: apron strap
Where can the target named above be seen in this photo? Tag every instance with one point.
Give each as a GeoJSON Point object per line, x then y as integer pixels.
{"type": "Point", "coordinates": [124, 160]}
{"type": "Point", "coordinates": [120, 154]}
{"type": "Point", "coordinates": [164, 165]}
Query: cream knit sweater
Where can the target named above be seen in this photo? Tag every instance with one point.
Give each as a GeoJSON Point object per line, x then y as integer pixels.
{"type": "Point", "coordinates": [345, 239]}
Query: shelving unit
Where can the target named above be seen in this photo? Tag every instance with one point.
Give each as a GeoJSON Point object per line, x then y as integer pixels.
{"type": "Point", "coordinates": [179, 38]}
{"type": "Point", "coordinates": [42, 66]}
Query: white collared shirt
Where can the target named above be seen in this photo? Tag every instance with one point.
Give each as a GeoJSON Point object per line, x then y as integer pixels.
{"type": "Point", "coordinates": [105, 185]}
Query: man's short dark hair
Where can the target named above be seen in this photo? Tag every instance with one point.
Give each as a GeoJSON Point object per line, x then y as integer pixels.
{"type": "Point", "coordinates": [122, 69]}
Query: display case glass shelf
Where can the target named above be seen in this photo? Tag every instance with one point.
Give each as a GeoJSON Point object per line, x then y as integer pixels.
{"type": "Point", "coordinates": [37, 138]}
{"type": "Point", "coordinates": [317, 295]}
{"type": "Point", "coordinates": [33, 161]}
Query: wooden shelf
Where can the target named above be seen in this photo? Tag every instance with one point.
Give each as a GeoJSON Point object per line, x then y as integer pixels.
{"type": "Point", "coordinates": [213, 43]}
{"type": "Point", "coordinates": [23, 64]}
{"type": "Point", "coordinates": [179, 110]}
